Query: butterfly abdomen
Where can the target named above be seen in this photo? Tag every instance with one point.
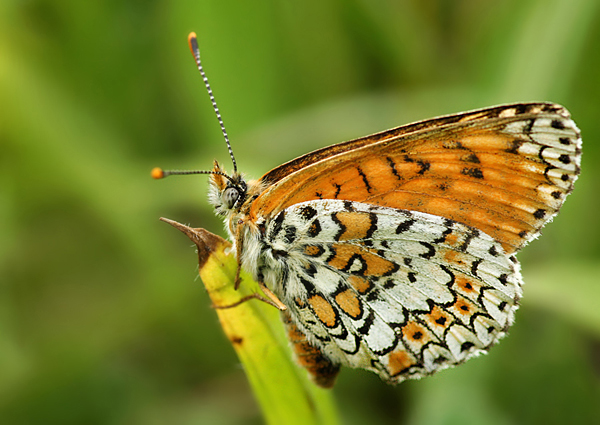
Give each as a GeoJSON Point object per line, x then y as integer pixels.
{"type": "Point", "coordinates": [322, 370]}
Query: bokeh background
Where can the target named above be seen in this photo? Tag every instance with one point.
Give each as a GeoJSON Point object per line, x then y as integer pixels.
{"type": "Point", "coordinates": [102, 317]}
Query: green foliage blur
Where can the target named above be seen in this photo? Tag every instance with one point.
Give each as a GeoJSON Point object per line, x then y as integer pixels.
{"type": "Point", "coordinates": [102, 317]}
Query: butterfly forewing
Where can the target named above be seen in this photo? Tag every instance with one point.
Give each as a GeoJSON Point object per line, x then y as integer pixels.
{"type": "Point", "coordinates": [505, 171]}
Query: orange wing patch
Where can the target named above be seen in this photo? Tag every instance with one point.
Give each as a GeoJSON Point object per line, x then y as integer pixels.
{"type": "Point", "coordinates": [355, 259]}
{"type": "Point", "coordinates": [463, 309]}
{"type": "Point", "coordinates": [400, 361]}
{"type": "Point", "coordinates": [356, 225]}
{"type": "Point", "coordinates": [416, 333]}
{"type": "Point", "coordinates": [361, 285]}
{"type": "Point", "coordinates": [454, 257]}
{"type": "Point", "coordinates": [349, 303]}
{"type": "Point", "coordinates": [438, 320]}
{"type": "Point", "coordinates": [466, 286]}
{"type": "Point", "coordinates": [323, 310]}
{"type": "Point", "coordinates": [491, 192]}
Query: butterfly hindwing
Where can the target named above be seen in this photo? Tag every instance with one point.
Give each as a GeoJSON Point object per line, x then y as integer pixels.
{"type": "Point", "coordinates": [399, 292]}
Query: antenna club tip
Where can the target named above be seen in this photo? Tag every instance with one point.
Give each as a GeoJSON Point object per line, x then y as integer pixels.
{"type": "Point", "coordinates": [193, 43]}
{"type": "Point", "coordinates": [157, 173]}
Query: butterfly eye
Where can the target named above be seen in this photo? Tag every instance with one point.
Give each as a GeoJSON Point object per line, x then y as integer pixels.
{"type": "Point", "coordinates": [230, 195]}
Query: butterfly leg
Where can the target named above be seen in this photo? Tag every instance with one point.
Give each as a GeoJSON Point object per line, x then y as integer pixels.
{"type": "Point", "coordinates": [322, 371]}
{"type": "Point", "coordinates": [239, 240]}
{"type": "Point", "coordinates": [270, 299]}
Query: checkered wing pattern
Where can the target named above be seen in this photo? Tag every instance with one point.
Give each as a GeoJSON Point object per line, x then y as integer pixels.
{"type": "Point", "coordinates": [399, 292]}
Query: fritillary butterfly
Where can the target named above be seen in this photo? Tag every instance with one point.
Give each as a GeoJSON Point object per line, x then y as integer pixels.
{"type": "Point", "coordinates": [395, 252]}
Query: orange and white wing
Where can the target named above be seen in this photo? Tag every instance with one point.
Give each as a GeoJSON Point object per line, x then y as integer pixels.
{"type": "Point", "coordinates": [401, 293]}
{"type": "Point", "coordinates": [505, 170]}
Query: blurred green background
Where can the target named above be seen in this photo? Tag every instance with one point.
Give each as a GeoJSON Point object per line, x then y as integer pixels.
{"type": "Point", "coordinates": [102, 317]}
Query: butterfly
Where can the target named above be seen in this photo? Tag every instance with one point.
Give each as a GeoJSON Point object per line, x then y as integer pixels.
{"type": "Point", "coordinates": [395, 252]}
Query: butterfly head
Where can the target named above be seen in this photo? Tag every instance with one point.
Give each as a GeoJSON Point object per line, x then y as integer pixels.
{"type": "Point", "coordinates": [226, 193]}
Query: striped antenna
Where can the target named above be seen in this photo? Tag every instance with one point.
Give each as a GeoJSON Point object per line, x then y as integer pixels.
{"type": "Point", "coordinates": [158, 173]}
{"type": "Point", "coordinates": [193, 42]}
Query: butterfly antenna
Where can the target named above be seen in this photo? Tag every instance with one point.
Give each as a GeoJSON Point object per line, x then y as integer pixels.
{"type": "Point", "coordinates": [193, 42]}
{"type": "Point", "coordinates": [158, 173]}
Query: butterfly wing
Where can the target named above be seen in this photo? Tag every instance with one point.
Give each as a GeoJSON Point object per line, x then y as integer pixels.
{"type": "Point", "coordinates": [504, 170]}
{"type": "Point", "coordinates": [399, 292]}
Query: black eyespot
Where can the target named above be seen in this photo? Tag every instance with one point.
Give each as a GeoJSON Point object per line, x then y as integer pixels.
{"type": "Point", "coordinates": [229, 196]}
